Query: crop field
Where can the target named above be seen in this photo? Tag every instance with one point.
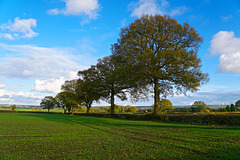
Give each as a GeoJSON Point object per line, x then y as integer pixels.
{"type": "Point", "coordinates": [58, 136]}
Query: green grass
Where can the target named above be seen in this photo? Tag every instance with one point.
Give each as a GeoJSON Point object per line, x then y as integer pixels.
{"type": "Point", "coordinates": [58, 136]}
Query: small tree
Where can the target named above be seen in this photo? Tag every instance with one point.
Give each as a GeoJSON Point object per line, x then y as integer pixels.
{"type": "Point", "coordinates": [233, 108]}
{"type": "Point", "coordinates": [48, 103]}
{"type": "Point", "coordinates": [228, 108]}
{"type": "Point", "coordinates": [13, 107]}
{"type": "Point", "coordinates": [199, 106]}
{"type": "Point", "coordinates": [133, 109]}
{"type": "Point", "coordinates": [164, 106]}
{"type": "Point", "coordinates": [224, 110]}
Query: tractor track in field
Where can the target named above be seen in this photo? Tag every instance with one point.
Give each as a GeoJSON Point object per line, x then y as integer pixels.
{"type": "Point", "coordinates": [137, 138]}
{"type": "Point", "coordinates": [136, 135]}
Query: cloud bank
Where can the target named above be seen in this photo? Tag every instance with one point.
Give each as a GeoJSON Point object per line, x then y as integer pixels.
{"type": "Point", "coordinates": [32, 62]}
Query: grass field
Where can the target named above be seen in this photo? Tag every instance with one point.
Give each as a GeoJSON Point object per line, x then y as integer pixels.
{"type": "Point", "coordinates": [58, 136]}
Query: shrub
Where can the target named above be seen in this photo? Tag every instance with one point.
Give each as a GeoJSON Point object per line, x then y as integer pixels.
{"type": "Point", "coordinates": [13, 107]}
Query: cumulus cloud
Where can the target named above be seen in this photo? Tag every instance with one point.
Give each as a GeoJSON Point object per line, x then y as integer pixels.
{"type": "Point", "coordinates": [32, 62]}
{"type": "Point", "coordinates": [20, 28]}
{"type": "Point", "coordinates": [53, 85]}
{"type": "Point", "coordinates": [87, 8]}
{"type": "Point", "coordinates": [153, 7]}
{"type": "Point", "coordinates": [225, 44]}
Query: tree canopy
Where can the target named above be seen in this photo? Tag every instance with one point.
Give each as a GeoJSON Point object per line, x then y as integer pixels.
{"type": "Point", "coordinates": [117, 79]}
{"type": "Point", "coordinates": [165, 52]}
{"type": "Point", "coordinates": [88, 87]}
{"type": "Point", "coordinates": [48, 103]}
{"type": "Point", "coordinates": [199, 106]}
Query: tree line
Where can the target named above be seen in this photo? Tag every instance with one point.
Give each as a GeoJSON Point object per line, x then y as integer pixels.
{"type": "Point", "coordinates": [153, 55]}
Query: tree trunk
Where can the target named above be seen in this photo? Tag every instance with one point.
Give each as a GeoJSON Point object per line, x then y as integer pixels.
{"type": "Point", "coordinates": [156, 97]}
{"type": "Point", "coordinates": [65, 110]}
{"type": "Point", "coordinates": [48, 109]}
{"type": "Point", "coordinates": [73, 109]}
{"type": "Point", "coordinates": [88, 108]}
{"type": "Point", "coordinates": [112, 103]}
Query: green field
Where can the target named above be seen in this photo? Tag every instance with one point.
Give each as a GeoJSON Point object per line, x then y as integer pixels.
{"type": "Point", "coordinates": [58, 136]}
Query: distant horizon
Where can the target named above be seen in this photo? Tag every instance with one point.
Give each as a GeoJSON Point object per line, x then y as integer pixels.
{"type": "Point", "coordinates": [45, 43]}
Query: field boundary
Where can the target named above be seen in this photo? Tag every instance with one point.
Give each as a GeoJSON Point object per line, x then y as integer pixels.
{"type": "Point", "coordinates": [228, 119]}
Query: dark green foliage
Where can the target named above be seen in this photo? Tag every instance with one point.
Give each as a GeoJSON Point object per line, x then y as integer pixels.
{"type": "Point", "coordinates": [89, 87]}
{"type": "Point", "coordinates": [117, 78]}
{"type": "Point", "coordinates": [233, 109]}
{"type": "Point", "coordinates": [237, 105]}
{"type": "Point", "coordinates": [48, 103]}
{"type": "Point", "coordinates": [62, 101]}
{"type": "Point", "coordinates": [224, 110]}
{"type": "Point", "coordinates": [228, 108]}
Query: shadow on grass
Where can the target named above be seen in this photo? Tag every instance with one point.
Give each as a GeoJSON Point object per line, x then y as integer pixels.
{"type": "Point", "coordinates": [88, 120]}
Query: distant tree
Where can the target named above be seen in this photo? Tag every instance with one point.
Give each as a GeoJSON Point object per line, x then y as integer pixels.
{"type": "Point", "coordinates": [237, 105]}
{"type": "Point", "coordinates": [232, 108]}
{"type": "Point", "coordinates": [165, 52]}
{"type": "Point", "coordinates": [164, 106]}
{"type": "Point", "coordinates": [108, 109]}
{"type": "Point", "coordinates": [70, 88]}
{"type": "Point", "coordinates": [199, 106]}
{"type": "Point", "coordinates": [13, 107]}
{"type": "Point", "coordinates": [48, 103]}
{"type": "Point", "coordinates": [220, 110]}
{"type": "Point", "coordinates": [224, 109]}
{"type": "Point", "coordinates": [228, 108]}
{"type": "Point", "coordinates": [133, 109]}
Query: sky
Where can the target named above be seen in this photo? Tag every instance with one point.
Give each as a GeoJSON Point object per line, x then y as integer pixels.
{"type": "Point", "coordinates": [43, 43]}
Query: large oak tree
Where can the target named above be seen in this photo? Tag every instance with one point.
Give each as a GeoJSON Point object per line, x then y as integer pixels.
{"type": "Point", "coordinates": [165, 53]}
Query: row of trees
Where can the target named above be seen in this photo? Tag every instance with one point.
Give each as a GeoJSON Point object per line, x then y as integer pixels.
{"type": "Point", "coordinates": [154, 54]}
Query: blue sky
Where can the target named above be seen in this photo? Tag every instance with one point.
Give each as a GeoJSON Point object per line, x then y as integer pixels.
{"type": "Point", "coordinates": [45, 42]}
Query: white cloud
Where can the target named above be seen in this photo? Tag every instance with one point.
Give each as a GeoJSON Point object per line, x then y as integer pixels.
{"type": "Point", "coordinates": [20, 28]}
{"type": "Point", "coordinates": [7, 36]}
{"type": "Point", "coordinates": [50, 86]}
{"type": "Point", "coordinates": [53, 85]}
{"type": "Point", "coordinates": [154, 7]}
{"type": "Point", "coordinates": [87, 8]}
{"type": "Point", "coordinates": [9, 97]}
{"type": "Point", "coordinates": [226, 45]}
{"type": "Point", "coordinates": [32, 62]}
{"type": "Point", "coordinates": [2, 86]}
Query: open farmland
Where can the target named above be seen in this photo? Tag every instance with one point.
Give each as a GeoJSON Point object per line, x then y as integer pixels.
{"type": "Point", "coordinates": [58, 136]}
